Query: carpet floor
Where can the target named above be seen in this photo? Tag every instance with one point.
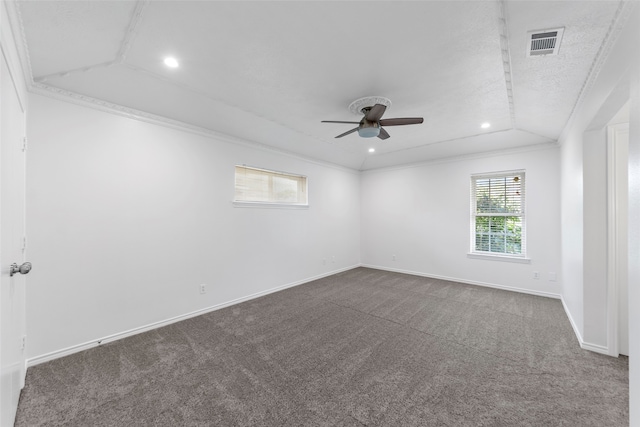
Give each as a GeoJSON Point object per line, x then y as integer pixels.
{"type": "Point", "coordinates": [360, 348]}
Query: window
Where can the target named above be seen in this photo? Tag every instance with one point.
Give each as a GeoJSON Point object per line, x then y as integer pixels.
{"type": "Point", "coordinates": [497, 214]}
{"type": "Point", "coordinates": [263, 186]}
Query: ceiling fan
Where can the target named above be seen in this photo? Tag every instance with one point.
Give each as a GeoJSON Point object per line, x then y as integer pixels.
{"type": "Point", "coordinates": [372, 122]}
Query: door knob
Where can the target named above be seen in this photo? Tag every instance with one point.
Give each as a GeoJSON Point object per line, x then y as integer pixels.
{"type": "Point", "coordinates": [22, 269]}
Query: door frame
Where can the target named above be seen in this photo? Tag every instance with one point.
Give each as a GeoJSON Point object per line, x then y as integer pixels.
{"type": "Point", "coordinates": [614, 270]}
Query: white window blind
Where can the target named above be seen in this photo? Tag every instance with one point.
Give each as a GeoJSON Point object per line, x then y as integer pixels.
{"type": "Point", "coordinates": [266, 186]}
{"type": "Point", "coordinates": [498, 214]}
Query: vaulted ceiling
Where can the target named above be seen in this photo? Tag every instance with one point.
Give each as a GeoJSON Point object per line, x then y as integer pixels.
{"type": "Point", "coordinates": [268, 72]}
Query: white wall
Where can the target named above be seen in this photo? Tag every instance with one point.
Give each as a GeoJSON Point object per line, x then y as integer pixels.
{"type": "Point", "coordinates": [421, 214]}
{"type": "Point", "coordinates": [583, 192]}
{"type": "Point", "coordinates": [127, 218]}
{"type": "Point", "coordinates": [571, 218]}
{"type": "Point", "coordinates": [617, 82]}
{"type": "Point", "coordinates": [595, 250]}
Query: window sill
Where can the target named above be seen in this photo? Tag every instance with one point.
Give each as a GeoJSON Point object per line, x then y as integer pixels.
{"type": "Point", "coordinates": [265, 205]}
{"type": "Point", "coordinates": [496, 257]}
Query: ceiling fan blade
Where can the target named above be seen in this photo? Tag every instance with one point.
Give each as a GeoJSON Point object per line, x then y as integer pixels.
{"type": "Point", "coordinates": [403, 121]}
{"type": "Point", "coordinates": [347, 132]}
{"type": "Point", "coordinates": [337, 121]}
{"type": "Point", "coordinates": [374, 114]}
{"type": "Point", "coordinates": [383, 134]}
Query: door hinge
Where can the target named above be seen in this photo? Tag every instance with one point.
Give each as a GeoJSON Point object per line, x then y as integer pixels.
{"type": "Point", "coordinates": [24, 343]}
{"type": "Point", "coordinates": [24, 243]}
{"type": "Point", "coordinates": [24, 143]}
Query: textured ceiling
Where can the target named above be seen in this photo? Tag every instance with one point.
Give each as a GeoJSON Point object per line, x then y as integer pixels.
{"type": "Point", "coordinates": [269, 72]}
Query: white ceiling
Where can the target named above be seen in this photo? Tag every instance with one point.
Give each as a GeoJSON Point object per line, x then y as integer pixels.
{"type": "Point", "coordinates": [269, 72]}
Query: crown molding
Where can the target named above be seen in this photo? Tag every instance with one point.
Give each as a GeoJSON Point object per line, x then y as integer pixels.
{"type": "Point", "coordinates": [130, 113]}
{"type": "Point", "coordinates": [445, 141]}
{"type": "Point", "coordinates": [463, 157]}
{"type": "Point", "coordinates": [133, 114]}
{"type": "Point", "coordinates": [39, 86]}
{"type": "Point", "coordinates": [621, 16]}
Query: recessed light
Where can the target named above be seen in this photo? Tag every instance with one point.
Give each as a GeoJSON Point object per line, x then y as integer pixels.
{"type": "Point", "coordinates": [171, 62]}
{"type": "Point", "coordinates": [485, 125]}
{"type": "Point", "coordinates": [372, 150]}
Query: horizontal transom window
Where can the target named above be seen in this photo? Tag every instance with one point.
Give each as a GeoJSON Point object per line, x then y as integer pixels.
{"type": "Point", "coordinates": [255, 185]}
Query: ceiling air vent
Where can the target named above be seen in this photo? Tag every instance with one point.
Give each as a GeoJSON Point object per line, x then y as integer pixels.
{"type": "Point", "coordinates": [545, 42]}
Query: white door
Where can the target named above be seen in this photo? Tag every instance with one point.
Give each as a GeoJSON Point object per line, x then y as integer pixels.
{"type": "Point", "coordinates": [12, 250]}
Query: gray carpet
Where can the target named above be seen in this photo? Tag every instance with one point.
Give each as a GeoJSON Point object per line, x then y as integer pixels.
{"type": "Point", "coordinates": [360, 348]}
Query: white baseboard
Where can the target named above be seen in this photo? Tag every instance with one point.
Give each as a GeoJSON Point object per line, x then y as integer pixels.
{"type": "Point", "coordinates": [469, 282]}
{"type": "Point", "coordinates": [573, 323]}
{"type": "Point", "coordinates": [583, 344]}
{"type": "Point", "coordinates": [120, 335]}
{"type": "Point", "coordinates": [596, 348]}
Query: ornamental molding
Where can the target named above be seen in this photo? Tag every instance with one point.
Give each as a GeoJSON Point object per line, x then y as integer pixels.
{"type": "Point", "coordinates": [133, 114]}
{"type": "Point", "coordinates": [368, 101]}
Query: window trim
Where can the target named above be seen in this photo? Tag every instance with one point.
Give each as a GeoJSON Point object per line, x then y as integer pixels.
{"type": "Point", "coordinates": [270, 204]}
{"type": "Point", "coordinates": [498, 256]}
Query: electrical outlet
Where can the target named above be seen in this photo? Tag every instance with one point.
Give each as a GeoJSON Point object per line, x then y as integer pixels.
{"type": "Point", "coordinates": [333, 259]}
{"type": "Point", "coordinates": [203, 288]}
{"type": "Point", "coordinates": [393, 257]}
{"type": "Point", "coordinates": [324, 261]}
{"type": "Point", "coordinates": [536, 275]}
{"type": "Point", "coordinates": [552, 276]}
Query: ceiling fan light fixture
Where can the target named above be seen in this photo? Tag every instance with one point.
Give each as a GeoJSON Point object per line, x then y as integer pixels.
{"type": "Point", "coordinates": [369, 132]}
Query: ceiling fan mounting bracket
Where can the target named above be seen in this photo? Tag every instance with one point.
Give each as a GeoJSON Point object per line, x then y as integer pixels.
{"type": "Point", "coordinates": [357, 106]}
